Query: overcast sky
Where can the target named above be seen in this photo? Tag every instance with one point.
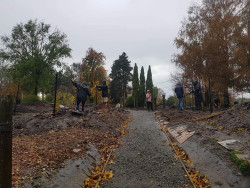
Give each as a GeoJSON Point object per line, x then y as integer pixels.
{"type": "Point", "coordinates": [144, 29]}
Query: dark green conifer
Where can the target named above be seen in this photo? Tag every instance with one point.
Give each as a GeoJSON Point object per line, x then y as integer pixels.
{"type": "Point", "coordinates": [142, 92]}
{"type": "Point", "coordinates": [135, 85]}
{"type": "Point", "coordinates": [120, 76]}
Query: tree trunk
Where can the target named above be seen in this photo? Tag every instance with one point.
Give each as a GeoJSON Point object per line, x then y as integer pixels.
{"type": "Point", "coordinates": [36, 88]}
{"type": "Point", "coordinates": [226, 99]}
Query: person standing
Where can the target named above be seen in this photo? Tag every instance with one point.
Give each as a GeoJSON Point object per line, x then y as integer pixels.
{"type": "Point", "coordinates": [179, 94]}
{"type": "Point", "coordinates": [105, 94]}
{"type": "Point", "coordinates": [82, 93]}
{"type": "Point", "coordinates": [149, 100]}
{"type": "Point", "coordinates": [198, 95]}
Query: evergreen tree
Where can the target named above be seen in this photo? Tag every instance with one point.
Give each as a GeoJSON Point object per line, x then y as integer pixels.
{"type": "Point", "coordinates": [120, 76]}
{"type": "Point", "coordinates": [135, 85]}
{"type": "Point", "coordinates": [149, 82]}
{"type": "Point", "coordinates": [142, 92]}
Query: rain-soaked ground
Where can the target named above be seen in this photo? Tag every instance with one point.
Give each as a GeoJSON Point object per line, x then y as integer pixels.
{"type": "Point", "coordinates": [145, 159]}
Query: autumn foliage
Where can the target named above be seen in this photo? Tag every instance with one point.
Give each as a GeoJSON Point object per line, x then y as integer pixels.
{"type": "Point", "coordinates": [215, 45]}
{"type": "Point", "coordinates": [92, 71]}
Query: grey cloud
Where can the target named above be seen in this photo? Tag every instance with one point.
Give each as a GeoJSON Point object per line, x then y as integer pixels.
{"type": "Point", "coordinates": [144, 29]}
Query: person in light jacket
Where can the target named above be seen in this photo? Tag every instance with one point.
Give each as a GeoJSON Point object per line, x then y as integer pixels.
{"type": "Point", "coordinates": [149, 100]}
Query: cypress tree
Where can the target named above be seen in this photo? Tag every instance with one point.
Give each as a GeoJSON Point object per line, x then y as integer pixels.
{"type": "Point", "coordinates": [149, 82]}
{"type": "Point", "coordinates": [142, 93]}
{"type": "Point", "coordinates": [135, 85]}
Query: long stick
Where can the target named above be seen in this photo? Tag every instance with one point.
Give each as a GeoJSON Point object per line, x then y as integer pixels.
{"type": "Point", "coordinates": [54, 109]}
{"type": "Point", "coordinates": [104, 168]}
{"type": "Point", "coordinates": [178, 157]}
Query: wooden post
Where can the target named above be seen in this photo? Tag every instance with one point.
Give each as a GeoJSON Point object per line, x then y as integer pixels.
{"type": "Point", "coordinates": [163, 96]}
{"type": "Point", "coordinates": [155, 103]}
{"type": "Point", "coordinates": [210, 96]}
{"type": "Point", "coordinates": [17, 100]}
{"type": "Point", "coordinates": [54, 109]}
{"type": "Point", "coordinates": [96, 96]}
{"type": "Point", "coordinates": [5, 141]}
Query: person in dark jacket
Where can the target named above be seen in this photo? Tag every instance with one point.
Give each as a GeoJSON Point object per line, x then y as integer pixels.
{"type": "Point", "coordinates": [104, 89]}
{"type": "Point", "coordinates": [197, 94]}
{"type": "Point", "coordinates": [179, 94]}
{"type": "Point", "coordinates": [82, 93]}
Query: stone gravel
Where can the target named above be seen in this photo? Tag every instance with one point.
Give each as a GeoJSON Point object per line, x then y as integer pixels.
{"type": "Point", "coordinates": [145, 158]}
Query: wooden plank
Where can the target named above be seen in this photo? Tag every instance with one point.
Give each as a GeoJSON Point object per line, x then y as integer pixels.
{"type": "Point", "coordinates": [208, 116]}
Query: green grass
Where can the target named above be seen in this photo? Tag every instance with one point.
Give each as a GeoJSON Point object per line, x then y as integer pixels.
{"type": "Point", "coordinates": [243, 166]}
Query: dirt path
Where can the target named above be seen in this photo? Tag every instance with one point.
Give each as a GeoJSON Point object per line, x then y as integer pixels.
{"type": "Point", "coordinates": [144, 158]}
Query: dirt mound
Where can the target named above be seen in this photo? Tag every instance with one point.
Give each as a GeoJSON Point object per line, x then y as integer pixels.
{"type": "Point", "coordinates": [175, 115]}
{"type": "Point", "coordinates": [236, 118]}
{"type": "Point", "coordinates": [34, 107]}
{"type": "Point", "coordinates": [38, 118]}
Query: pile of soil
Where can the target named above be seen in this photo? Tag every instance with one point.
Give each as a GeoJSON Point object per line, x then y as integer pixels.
{"type": "Point", "coordinates": [236, 118]}
{"type": "Point", "coordinates": [38, 118]}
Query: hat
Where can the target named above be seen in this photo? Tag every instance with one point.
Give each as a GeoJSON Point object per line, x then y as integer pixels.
{"type": "Point", "coordinates": [85, 83]}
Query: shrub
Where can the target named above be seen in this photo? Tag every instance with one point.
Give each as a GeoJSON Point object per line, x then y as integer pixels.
{"type": "Point", "coordinates": [129, 102]}
{"type": "Point", "coordinates": [49, 98]}
{"type": "Point", "coordinates": [30, 99]}
{"type": "Point", "coordinates": [65, 98]}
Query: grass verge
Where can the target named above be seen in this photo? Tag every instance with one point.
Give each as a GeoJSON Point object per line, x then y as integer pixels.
{"type": "Point", "coordinates": [244, 166]}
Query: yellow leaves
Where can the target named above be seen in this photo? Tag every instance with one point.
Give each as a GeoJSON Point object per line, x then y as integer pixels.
{"type": "Point", "coordinates": [242, 129]}
{"type": "Point", "coordinates": [98, 172]}
{"type": "Point", "coordinates": [90, 183]}
{"type": "Point", "coordinates": [125, 124]}
{"type": "Point", "coordinates": [221, 127]}
{"type": "Point", "coordinates": [123, 132]}
{"type": "Point", "coordinates": [197, 179]}
{"type": "Point", "coordinates": [182, 154]}
{"type": "Point", "coordinates": [111, 162]}
{"type": "Point", "coordinates": [107, 175]}
{"type": "Point", "coordinates": [165, 129]}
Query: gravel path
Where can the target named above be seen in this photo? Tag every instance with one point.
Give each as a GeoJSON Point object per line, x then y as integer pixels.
{"type": "Point", "coordinates": [144, 159]}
